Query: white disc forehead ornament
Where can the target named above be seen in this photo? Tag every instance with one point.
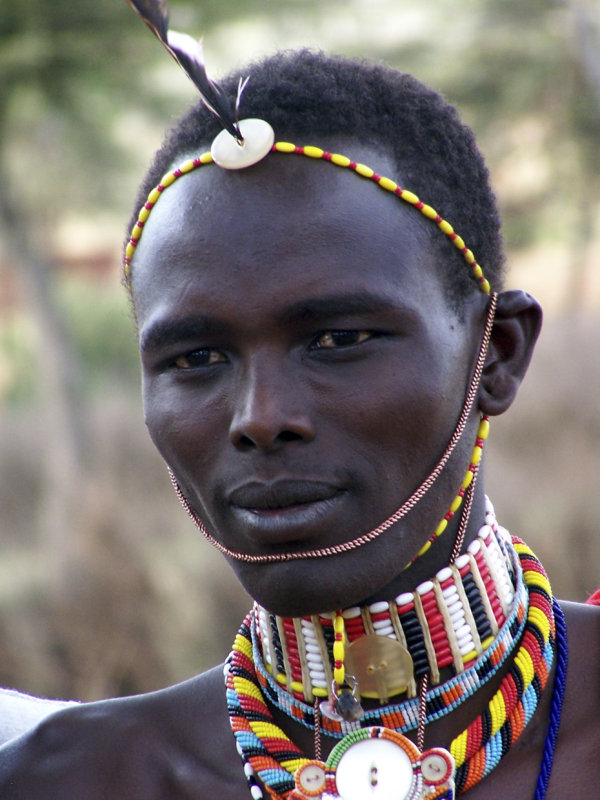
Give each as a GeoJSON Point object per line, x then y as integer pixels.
{"type": "Point", "coordinates": [258, 138]}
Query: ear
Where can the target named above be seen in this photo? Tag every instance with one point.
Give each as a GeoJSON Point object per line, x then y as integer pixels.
{"type": "Point", "coordinates": [516, 327]}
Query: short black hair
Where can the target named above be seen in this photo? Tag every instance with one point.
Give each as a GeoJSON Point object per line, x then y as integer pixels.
{"type": "Point", "coordinates": [307, 96]}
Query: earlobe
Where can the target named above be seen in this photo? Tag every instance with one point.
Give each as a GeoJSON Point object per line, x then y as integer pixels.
{"type": "Point", "coordinates": [516, 327]}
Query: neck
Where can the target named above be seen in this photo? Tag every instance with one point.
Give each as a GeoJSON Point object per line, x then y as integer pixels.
{"type": "Point", "coordinates": [450, 624]}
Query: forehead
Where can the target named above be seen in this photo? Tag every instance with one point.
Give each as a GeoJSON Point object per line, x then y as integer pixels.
{"type": "Point", "coordinates": [290, 223]}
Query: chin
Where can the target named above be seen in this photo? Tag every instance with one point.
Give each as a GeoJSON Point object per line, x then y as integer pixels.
{"type": "Point", "coordinates": [303, 588]}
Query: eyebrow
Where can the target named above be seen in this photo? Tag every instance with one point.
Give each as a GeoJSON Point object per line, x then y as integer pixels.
{"type": "Point", "coordinates": [320, 308]}
{"type": "Point", "coordinates": [167, 332]}
{"type": "Point", "coordinates": [170, 331]}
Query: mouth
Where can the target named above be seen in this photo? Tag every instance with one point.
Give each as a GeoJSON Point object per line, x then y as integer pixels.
{"type": "Point", "coordinates": [285, 510]}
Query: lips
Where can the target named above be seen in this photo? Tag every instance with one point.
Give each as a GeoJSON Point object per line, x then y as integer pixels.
{"type": "Point", "coordinates": [280, 494]}
{"type": "Point", "coordinates": [284, 510]}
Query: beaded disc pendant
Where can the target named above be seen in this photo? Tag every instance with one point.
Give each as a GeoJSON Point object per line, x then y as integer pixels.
{"type": "Point", "coordinates": [377, 764]}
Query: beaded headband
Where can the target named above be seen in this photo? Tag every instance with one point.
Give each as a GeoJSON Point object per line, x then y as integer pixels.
{"type": "Point", "coordinates": [244, 143]}
{"type": "Point", "coordinates": [314, 153]}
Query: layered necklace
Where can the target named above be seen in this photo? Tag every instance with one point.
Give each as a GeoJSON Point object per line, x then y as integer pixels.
{"type": "Point", "coordinates": [421, 655]}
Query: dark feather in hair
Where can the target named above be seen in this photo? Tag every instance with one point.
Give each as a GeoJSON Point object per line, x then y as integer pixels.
{"type": "Point", "coordinates": [188, 54]}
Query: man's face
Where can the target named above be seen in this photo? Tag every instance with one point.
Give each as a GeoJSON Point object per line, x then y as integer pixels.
{"type": "Point", "coordinates": [302, 372]}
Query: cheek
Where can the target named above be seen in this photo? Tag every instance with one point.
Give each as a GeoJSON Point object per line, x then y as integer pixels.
{"type": "Point", "coordinates": [187, 432]}
{"type": "Point", "coordinates": [397, 417]}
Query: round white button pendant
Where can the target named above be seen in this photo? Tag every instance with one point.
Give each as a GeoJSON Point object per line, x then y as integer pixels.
{"type": "Point", "coordinates": [310, 779]}
{"type": "Point", "coordinates": [379, 766]}
{"type": "Point", "coordinates": [258, 138]}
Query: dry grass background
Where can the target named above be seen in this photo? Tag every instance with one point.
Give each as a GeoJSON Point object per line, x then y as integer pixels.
{"type": "Point", "coordinates": [135, 601]}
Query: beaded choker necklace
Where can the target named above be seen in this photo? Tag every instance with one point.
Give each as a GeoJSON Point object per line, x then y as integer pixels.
{"type": "Point", "coordinates": [454, 625]}
{"type": "Point", "coordinates": [271, 759]}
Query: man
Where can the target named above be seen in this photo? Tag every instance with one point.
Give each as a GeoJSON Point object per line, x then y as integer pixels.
{"type": "Point", "coordinates": [317, 354]}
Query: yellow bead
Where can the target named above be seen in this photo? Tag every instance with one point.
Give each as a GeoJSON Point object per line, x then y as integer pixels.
{"type": "Point", "coordinates": [445, 227]}
{"type": "Point", "coordinates": [318, 691]}
{"type": "Point", "coordinates": [144, 214]}
{"type": "Point", "coordinates": [469, 257]}
{"type": "Point", "coordinates": [206, 158]}
{"type": "Point", "coordinates": [265, 729]}
{"type": "Point", "coordinates": [296, 686]}
{"type": "Point", "coordinates": [167, 179]}
{"type": "Point", "coordinates": [363, 170]}
{"type": "Point", "coordinates": [129, 251]}
{"type": "Point", "coordinates": [285, 147]}
{"type": "Point", "coordinates": [338, 624]}
{"type": "Point", "coordinates": [459, 242]}
{"type": "Point", "coordinates": [458, 748]}
{"type": "Point", "coordinates": [410, 197]}
{"type": "Point", "coordinates": [477, 271]}
{"type": "Point", "coordinates": [425, 548]}
{"type": "Point", "coordinates": [537, 580]}
{"type": "Point", "coordinates": [456, 503]}
{"type": "Point", "coordinates": [485, 286]}
{"type": "Point", "coordinates": [341, 161]}
{"type": "Point", "coordinates": [541, 621]}
{"type": "Point", "coordinates": [472, 654]}
{"type": "Point", "coordinates": [441, 527]}
{"type": "Point", "coordinates": [281, 678]}
{"type": "Point", "coordinates": [243, 645]}
{"type": "Point", "coordinates": [429, 212]}
{"type": "Point", "coordinates": [484, 429]}
{"type": "Point", "coordinates": [187, 167]}
{"type": "Point", "coordinates": [467, 480]}
{"type": "Point", "coordinates": [153, 196]}
{"type": "Point", "coordinates": [476, 457]}
{"type": "Point", "coordinates": [313, 152]}
{"type": "Point", "coordinates": [339, 676]}
{"type": "Point", "coordinates": [338, 651]}
{"type": "Point", "coordinates": [388, 185]}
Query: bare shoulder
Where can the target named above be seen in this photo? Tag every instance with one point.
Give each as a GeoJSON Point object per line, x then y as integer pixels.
{"type": "Point", "coordinates": [173, 743]}
{"type": "Point", "coordinates": [582, 698]}
{"type": "Point", "coordinates": [575, 769]}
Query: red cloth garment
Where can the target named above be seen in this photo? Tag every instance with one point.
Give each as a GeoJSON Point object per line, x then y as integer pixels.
{"type": "Point", "coordinates": [594, 599]}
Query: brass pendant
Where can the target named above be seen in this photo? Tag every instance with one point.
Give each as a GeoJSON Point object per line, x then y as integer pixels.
{"type": "Point", "coordinates": [382, 666]}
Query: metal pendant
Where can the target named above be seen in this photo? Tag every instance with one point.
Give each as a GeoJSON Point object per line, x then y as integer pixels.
{"type": "Point", "coordinates": [344, 704]}
{"type": "Point", "coordinates": [383, 667]}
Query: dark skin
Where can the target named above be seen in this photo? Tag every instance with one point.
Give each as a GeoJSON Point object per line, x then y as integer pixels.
{"type": "Point", "coordinates": [302, 374]}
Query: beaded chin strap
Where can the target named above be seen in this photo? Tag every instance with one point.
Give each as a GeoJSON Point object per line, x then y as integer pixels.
{"type": "Point", "coordinates": [229, 154]}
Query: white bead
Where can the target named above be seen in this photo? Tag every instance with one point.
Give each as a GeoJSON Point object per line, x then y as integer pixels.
{"type": "Point", "coordinates": [404, 599]}
{"type": "Point", "coordinates": [444, 574]}
{"type": "Point", "coordinates": [377, 608]}
{"type": "Point", "coordinates": [388, 630]}
{"type": "Point", "coordinates": [425, 587]}
{"type": "Point", "coordinates": [312, 648]}
{"type": "Point", "coordinates": [462, 561]}
{"type": "Point", "coordinates": [351, 613]}
{"type": "Point", "coordinates": [450, 592]}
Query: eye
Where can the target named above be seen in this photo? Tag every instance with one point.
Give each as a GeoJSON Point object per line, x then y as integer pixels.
{"type": "Point", "coordinates": [330, 340]}
{"type": "Point", "coordinates": [204, 357]}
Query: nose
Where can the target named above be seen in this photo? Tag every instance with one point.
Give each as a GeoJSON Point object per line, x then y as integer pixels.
{"type": "Point", "coordinates": [270, 407]}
